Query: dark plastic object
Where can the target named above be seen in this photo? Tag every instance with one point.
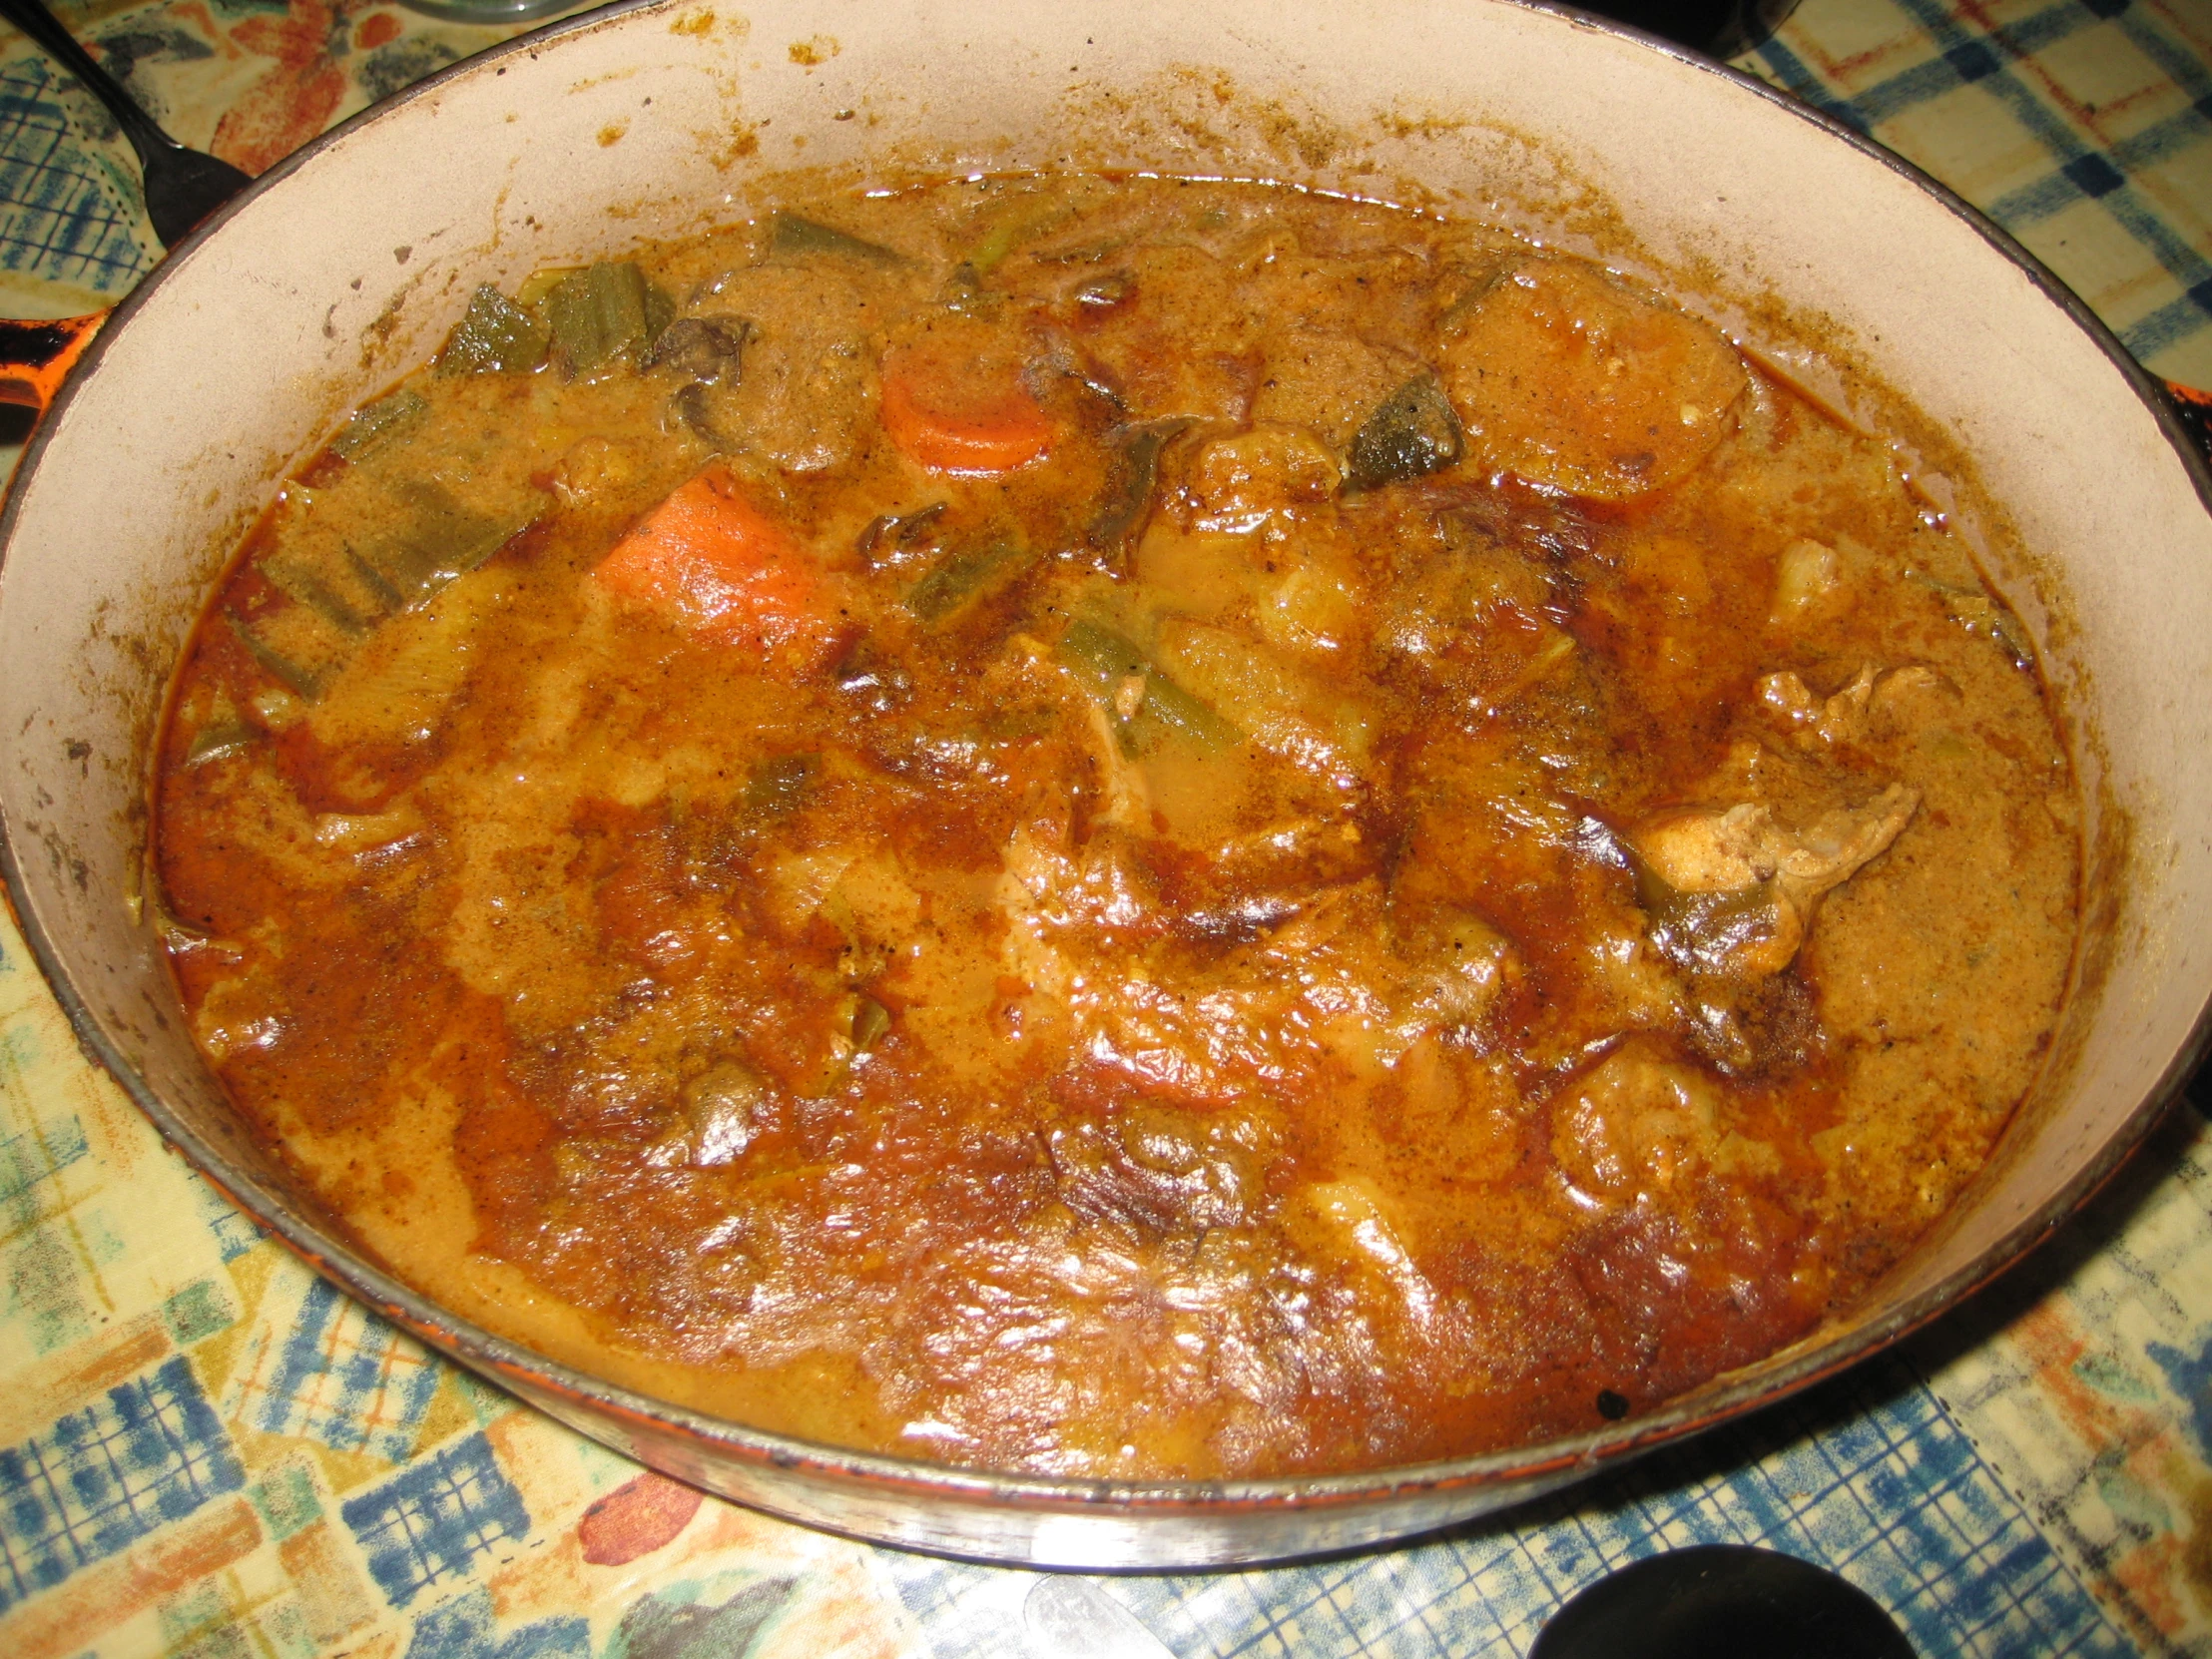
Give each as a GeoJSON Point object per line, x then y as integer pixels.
{"type": "Point", "coordinates": [182, 186]}
{"type": "Point", "coordinates": [1721, 1599]}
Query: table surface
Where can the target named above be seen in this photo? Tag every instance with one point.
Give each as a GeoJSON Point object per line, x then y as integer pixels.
{"type": "Point", "coordinates": [204, 1450]}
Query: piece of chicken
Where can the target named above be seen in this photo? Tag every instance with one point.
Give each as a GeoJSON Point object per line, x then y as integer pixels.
{"type": "Point", "coordinates": [1742, 851]}
{"type": "Point", "coordinates": [1815, 723]}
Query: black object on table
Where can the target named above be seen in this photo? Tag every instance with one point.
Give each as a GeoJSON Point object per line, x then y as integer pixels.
{"type": "Point", "coordinates": [1720, 28]}
{"type": "Point", "coordinates": [182, 186]}
{"type": "Point", "coordinates": [1716, 1599]}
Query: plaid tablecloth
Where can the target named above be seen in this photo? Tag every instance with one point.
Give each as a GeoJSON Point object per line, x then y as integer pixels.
{"type": "Point", "coordinates": [204, 1451]}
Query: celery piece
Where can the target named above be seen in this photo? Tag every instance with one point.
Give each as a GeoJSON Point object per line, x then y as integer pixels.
{"type": "Point", "coordinates": [375, 424]}
{"type": "Point", "coordinates": [306, 586]}
{"type": "Point", "coordinates": [1103, 660]}
{"type": "Point", "coordinates": [603, 311]}
{"type": "Point", "coordinates": [965, 575]}
{"type": "Point", "coordinates": [444, 540]}
{"type": "Point", "coordinates": [301, 681]}
{"type": "Point", "coordinates": [1414, 431]}
{"type": "Point", "coordinates": [795, 237]}
{"type": "Point", "coordinates": [540, 282]}
{"type": "Point", "coordinates": [497, 337]}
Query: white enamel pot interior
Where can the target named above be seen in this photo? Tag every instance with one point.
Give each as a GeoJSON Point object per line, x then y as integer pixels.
{"type": "Point", "coordinates": [350, 262]}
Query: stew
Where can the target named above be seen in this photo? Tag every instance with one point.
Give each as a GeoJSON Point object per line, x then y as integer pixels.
{"type": "Point", "coordinates": [1118, 827]}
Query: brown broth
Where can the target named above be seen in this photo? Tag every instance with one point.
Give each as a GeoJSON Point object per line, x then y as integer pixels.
{"type": "Point", "coordinates": [1240, 944]}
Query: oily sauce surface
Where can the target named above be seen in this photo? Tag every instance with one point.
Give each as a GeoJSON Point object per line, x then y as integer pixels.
{"type": "Point", "coordinates": [1118, 828]}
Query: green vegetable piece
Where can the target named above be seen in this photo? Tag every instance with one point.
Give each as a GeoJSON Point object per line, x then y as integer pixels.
{"type": "Point", "coordinates": [387, 596]}
{"type": "Point", "coordinates": [1412, 433]}
{"type": "Point", "coordinates": [376, 424]}
{"type": "Point", "coordinates": [301, 681]}
{"type": "Point", "coordinates": [964, 576]}
{"type": "Point", "coordinates": [872, 1023]}
{"type": "Point", "coordinates": [779, 781]}
{"type": "Point", "coordinates": [306, 586]}
{"type": "Point", "coordinates": [1105, 661]}
{"type": "Point", "coordinates": [603, 311]}
{"type": "Point", "coordinates": [446, 540]}
{"type": "Point", "coordinates": [219, 737]}
{"type": "Point", "coordinates": [1126, 503]}
{"type": "Point", "coordinates": [791, 237]}
{"type": "Point", "coordinates": [497, 337]}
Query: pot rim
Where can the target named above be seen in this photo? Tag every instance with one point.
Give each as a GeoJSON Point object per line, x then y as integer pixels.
{"type": "Point", "coordinates": [484, 1350]}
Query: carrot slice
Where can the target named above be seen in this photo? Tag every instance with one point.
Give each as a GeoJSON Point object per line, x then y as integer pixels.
{"type": "Point", "coordinates": [715, 562]}
{"type": "Point", "coordinates": [954, 406]}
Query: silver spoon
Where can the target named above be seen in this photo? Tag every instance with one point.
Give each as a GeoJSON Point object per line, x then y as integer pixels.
{"type": "Point", "coordinates": [182, 186]}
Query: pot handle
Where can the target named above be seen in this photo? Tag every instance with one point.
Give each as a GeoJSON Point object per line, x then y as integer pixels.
{"type": "Point", "coordinates": [36, 357]}
{"type": "Point", "coordinates": [2196, 409]}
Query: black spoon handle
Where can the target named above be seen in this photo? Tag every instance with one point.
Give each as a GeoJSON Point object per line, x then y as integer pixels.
{"type": "Point", "coordinates": [32, 17]}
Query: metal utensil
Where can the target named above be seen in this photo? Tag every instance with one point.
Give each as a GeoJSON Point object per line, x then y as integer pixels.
{"type": "Point", "coordinates": [182, 186]}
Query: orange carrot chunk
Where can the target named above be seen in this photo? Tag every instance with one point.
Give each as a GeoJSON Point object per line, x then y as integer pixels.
{"type": "Point", "coordinates": [712, 561]}
{"type": "Point", "coordinates": [954, 406]}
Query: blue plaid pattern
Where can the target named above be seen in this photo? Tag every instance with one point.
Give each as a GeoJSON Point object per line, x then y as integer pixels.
{"type": "Point", "coordinates": [1867, 1475]}
{"type": "Point", "coordinates": [2111, 104]}
{"type": "Point", "coordinates": [151, 1452]}
{"type": "Point", "coordinates": [340, 1374]}
{"type": "Point", "coordinates": [431, 1520]}
{"type": "Point", "coordinates": [29, 1158]}
{"type": "Point", "coordinates": [465, 1628]}
{"type": "Point", "coordinates": [62, 216]}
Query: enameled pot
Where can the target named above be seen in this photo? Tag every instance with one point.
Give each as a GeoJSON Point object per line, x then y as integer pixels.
{"type": "Point", "coordinates": [349, 262]}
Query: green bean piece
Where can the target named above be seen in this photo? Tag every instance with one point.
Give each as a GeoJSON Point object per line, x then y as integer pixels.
{"type": "Point", "coordinates": [872, 1023]}
{"type": "Point", "coordinates": [1412, 432]}
{"type": "Point", "coordinates": [791, 237]}
{"type": "Point", "coordinates": [778, 782]}
{"type": "Point", "coordinates": [1104, 660]}
{"type": "Point", "coordinates": [964, 576]}
{"type": "Point", "coordinates": [496, 336]}
{"type": "Point", "coordinates": [375, 424]}
{"type": "Point", "coordinates": [603, 311]}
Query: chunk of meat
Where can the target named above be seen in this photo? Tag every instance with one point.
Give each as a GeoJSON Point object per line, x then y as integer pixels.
{"type": "Point", "coordinates": [1821, 723]}
{"type": "Point", "coordinates": [1641, 1131]}
{"type": "Point", "coordinates": [1568, 379]}
{"type": "Point", "coordinates": [1238, 482]}
{"type": "Point", "coordinates": [806, 395]}
{"type": "Point", "coordinates": [1742, 851]}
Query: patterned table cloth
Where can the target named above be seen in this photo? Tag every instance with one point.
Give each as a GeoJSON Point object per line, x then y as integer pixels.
{"type": "Point", "coordinates": [204, 1450]}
